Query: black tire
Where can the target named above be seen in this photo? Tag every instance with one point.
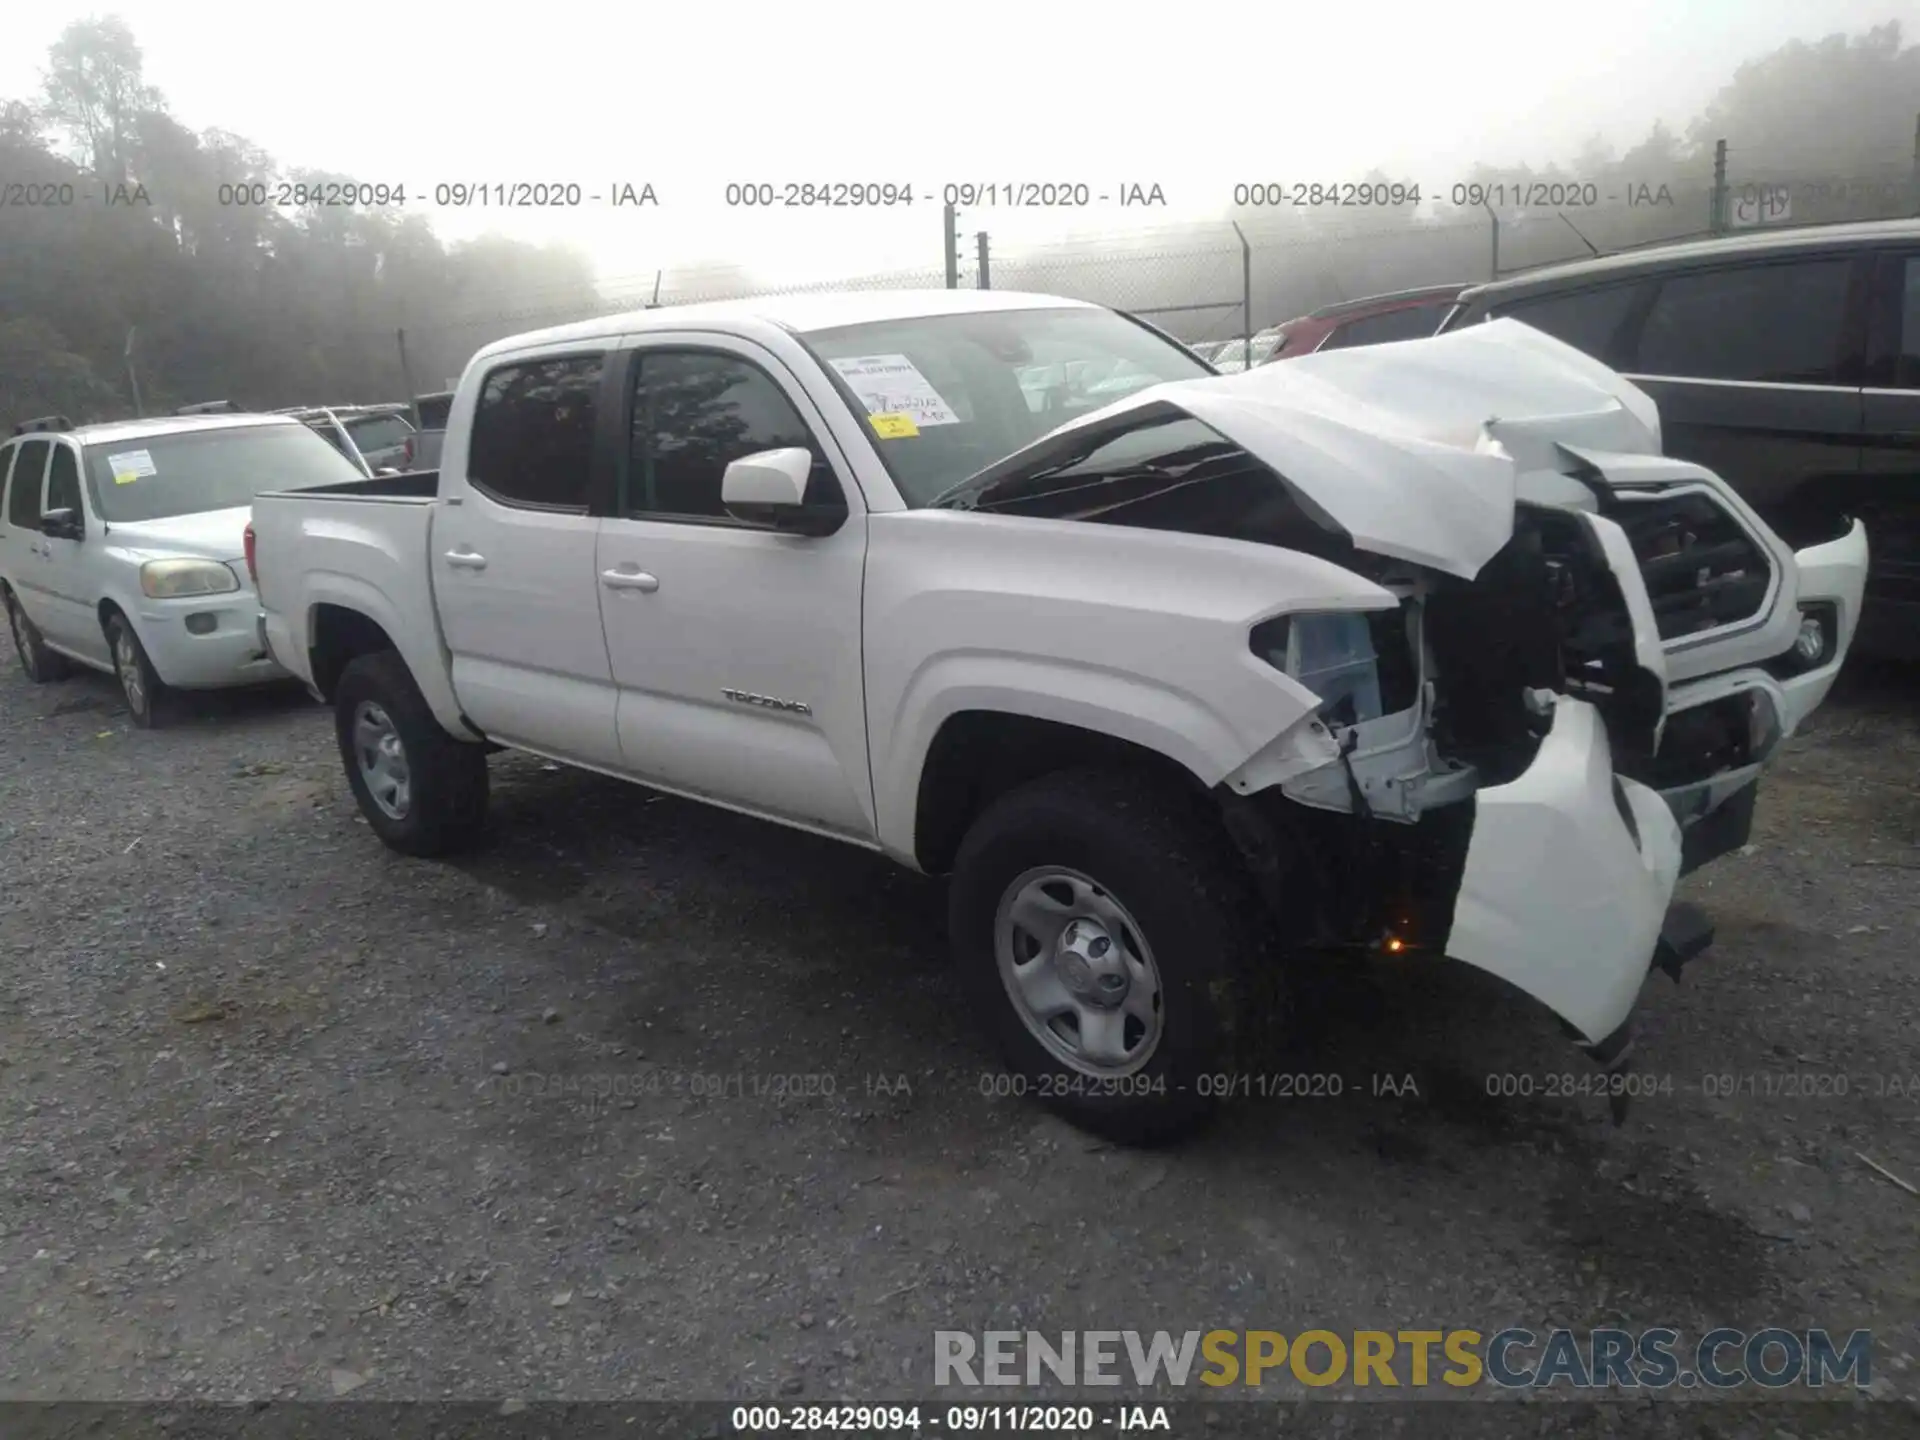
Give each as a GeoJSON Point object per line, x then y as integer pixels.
{"type": "Point", "coordinates": [1154, 849]}
{"type": "Point", "coordinates": [445, 805]}
{"type": "Point", "coordinates": [149, 701]}
{"type": "Point", "coordinates": [41, 664]}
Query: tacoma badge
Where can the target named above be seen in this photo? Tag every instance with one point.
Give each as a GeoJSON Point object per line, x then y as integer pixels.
{"type": "Point", "coordinates": [768, 702]}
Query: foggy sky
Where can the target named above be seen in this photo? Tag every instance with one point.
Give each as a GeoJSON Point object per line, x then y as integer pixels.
{"type": "Point", "coordinates": [1220, 92]}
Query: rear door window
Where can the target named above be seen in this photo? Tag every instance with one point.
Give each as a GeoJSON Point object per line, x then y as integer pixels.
{"type": "Point", "coordinates": [23, 497]}
{"type": "Point", "coordinates": [328, 432]}
{"type": "Point", "coordinates": [382, 432]}
{"type": "Point", "coordinates": [1779, 323]}
{"type": "Point", "coordinates": [1588, 320]}
{"type": "Point", "coordinates": [533, 432]}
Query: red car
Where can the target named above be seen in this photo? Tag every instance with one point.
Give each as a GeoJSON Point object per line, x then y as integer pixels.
{"type": "Point", "coordinates": [1403, 315]}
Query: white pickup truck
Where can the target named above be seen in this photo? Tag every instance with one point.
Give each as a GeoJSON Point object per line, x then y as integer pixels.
{"type": "Point", "coordinates": [1423, 647]}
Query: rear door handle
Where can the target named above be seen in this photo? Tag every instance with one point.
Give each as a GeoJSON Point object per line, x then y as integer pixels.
{"type": "Point", "coordinates": [466, 560]}
{"type": "Point", "coordinates": [629, 580]}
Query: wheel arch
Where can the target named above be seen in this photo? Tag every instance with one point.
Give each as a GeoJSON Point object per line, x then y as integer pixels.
{"type": "Point", "coordinates": [337, 635]}
{"type": "Point", "coordinates": [345, 618]}
{"type": "Point", "coordinates": [978, 755]}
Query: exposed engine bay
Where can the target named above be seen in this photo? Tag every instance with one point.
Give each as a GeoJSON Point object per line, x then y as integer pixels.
{"type": "Point", "coordinates": [1571, 645]}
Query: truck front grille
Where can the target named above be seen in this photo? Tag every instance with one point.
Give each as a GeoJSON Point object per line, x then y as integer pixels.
{"type": "Point", "coordinates": [1701, 568]}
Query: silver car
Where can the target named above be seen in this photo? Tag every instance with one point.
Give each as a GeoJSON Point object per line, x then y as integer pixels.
{"type": "Point", "coordinates": [372, 436]}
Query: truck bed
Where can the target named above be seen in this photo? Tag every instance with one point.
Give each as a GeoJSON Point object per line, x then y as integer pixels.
{"type": "Point", "coordinates": [415, 485]}
{"type": "Point", "coordinates": [359, 547]}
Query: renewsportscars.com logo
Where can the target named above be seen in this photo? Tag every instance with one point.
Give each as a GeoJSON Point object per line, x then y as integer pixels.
{"type": "Point", "coordinates": [1515, 1359]}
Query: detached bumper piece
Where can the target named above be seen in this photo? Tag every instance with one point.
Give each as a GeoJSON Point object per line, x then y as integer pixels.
{"type": "Point", "coordinates": [1719, 832]}
{"type": "Point", "coordinates": [1686, 933]}
{"type": "Point", "coordinates": [1568, 879]}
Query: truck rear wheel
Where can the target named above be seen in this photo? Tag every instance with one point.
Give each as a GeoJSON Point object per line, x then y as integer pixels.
{"type": "Point", "coordinates": [1102, 924]}
{"type": "Point", "coordinates": [423, 792]}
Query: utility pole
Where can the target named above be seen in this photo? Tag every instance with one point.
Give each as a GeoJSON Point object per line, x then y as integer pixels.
{"type": "Point", "coordinates": [980, 241]}
{"type": "Point", "coordinates": [1493, 229]}
{"type": "Point", "coordinates": [133, 380]}
{"type": "Point", "coordinates": [951, 217]}
{"type": "Point", "coordinates": [1717, 220]}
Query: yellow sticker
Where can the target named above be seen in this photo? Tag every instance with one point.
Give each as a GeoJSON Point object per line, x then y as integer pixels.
{"type": "Point", "coordinates": [126, 477]}
{"type": "Point", "coordinates": [893, 427]}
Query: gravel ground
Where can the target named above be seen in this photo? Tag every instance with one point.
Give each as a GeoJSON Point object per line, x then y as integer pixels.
{"type": "Point", "coordinates": [651, 1101]}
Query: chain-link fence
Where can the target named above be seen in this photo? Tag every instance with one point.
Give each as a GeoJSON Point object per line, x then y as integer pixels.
{"type": "Point", "coordinates": [1216, 281]}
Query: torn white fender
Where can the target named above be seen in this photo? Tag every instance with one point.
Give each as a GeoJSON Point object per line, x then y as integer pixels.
{"type": "Point", "coordinates": [1558, 897]}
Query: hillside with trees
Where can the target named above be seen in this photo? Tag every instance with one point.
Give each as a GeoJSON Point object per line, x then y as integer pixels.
{"type": "Point", "coordinates": [150, 281]}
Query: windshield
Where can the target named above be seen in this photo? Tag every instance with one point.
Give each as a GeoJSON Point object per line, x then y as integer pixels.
{"type": "Point", "coordinates": [156, 477]}
{"type": "Point", "coordinates": [951, 394]}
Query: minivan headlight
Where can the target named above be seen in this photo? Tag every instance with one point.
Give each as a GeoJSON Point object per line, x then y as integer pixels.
{"type": "Point", "coordinates": [171, 579]}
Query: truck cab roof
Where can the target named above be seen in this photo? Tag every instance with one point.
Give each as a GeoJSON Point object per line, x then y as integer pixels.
{"type": "Point", "coordinates": [800, 314]}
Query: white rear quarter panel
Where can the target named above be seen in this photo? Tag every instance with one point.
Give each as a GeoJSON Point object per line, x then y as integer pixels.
{"type": "Point", "coordinates": [362, 554]}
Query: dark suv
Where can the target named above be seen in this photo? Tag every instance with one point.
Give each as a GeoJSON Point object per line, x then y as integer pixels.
{"type": "Point", "coordinates": [1787, 361]}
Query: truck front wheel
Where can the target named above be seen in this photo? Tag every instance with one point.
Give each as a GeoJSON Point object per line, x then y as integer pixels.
{"type": "Point", "coordinates": [1102, 924]}
{"type": "Point", "coordinates": [423, 792]}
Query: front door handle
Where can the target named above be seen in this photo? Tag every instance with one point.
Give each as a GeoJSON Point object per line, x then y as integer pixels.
{"type": "Point", "coordinates": [629, 580]}
{"type": "Point", "coordinates": [466, 560]}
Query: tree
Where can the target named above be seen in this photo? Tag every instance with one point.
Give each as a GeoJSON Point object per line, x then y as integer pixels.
{"type": "Point", "coordinates": [95, 93]}
{"type": "Point", "coordinates": [40, 375]}
{"type": "Point", "coordinates": [1843, 106]}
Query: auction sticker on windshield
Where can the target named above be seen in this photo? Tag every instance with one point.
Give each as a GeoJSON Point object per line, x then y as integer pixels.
{"type": "Point", "coordinates": [893, 385]}
{"type": "Point", "coordinates": [130, 465]}
{"type": "Point", "coordinates": [893, 426]}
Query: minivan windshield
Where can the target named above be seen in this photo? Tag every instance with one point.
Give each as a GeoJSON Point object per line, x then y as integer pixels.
{"type": "Point", "coordinates": [948, 395]}
{"type": "Point", "coordinates": [186, 472]}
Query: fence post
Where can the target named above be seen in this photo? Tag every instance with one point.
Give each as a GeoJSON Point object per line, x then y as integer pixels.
{"type": "Point", "coordinates": [1493, 231]}
{"type": "Point", "coordinates": [1717, 206]}
{"type": "Point", "coordinates": [406, 377]}
{"type": "Point", "coordinates": [133, 380]}
{"type": "Point", "coordinates": [951, 219]}
{"type": "Point", "coordinates": [980, 240]}
{"type": "Point", "coordinates": [1246, 294]}
{"type": "Point", "coordinates": [1916, 165]}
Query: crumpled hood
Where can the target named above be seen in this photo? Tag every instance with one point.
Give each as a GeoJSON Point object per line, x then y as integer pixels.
{"type": "Point", "coordinates": [1416, 449]}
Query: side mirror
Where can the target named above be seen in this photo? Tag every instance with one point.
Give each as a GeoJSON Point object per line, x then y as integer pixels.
{"type": "Point", "coordinates": [770, 488]}
{"type": "Point", "coordinates": [61, 524]}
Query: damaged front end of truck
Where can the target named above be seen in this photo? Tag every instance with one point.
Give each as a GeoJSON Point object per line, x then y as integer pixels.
{"type": "Point", "coordinates": [1579, 656]}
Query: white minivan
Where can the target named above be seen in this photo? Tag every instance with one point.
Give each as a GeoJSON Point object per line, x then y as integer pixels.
{"type": "Point", "coordinates": [122, 546]}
